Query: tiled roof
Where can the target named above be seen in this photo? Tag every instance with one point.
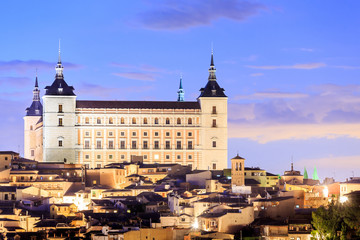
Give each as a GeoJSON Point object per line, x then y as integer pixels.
{"type": "Point", "coordinates": [138, 104]}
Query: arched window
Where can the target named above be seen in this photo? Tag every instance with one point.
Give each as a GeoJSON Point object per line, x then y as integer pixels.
{"type": "Point", "coordinates": [167, 120]}
{"type": "Point", "coordinates": [236, 166]}
{"type": "Point", "coordinates": [98, 120]}
{"type": "Point", "coordinates": [178, 121]}
{"type": "Point", "coordinates": [122, 120]}
{"type": "Point", "coordinates": [189, 121]}
{"type": "Point", "coordinates": [133, 120]}
{"type": "Point", "coordinates": [156, 121]}
{"type": "Point", "coordinates": [87, 120]}
{"type": "Point", "coordinates": [111, 121]}
{"type": "Point", "coordinates": [145, 120]}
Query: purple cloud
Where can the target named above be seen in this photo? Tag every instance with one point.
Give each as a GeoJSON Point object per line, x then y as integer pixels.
{"type": "Point", "coordinates": [15, 81]}
{"type": "Point", "coordinates": [190, 13]}
{"type": "Point", "coordinates": [21, 66]}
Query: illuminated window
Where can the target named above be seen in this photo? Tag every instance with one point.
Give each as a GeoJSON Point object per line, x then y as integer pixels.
{"type": "Point", "coordinates": [98, 156]}
{"type": "Point", "coordinates": [214, 110]}
{"type": "Point", "coordinates": [60, 108]}
{"type": "Point", "coordinates": [60, 122]}
{"type": "Point", "coordinates": [133, 120]}
{"type": "Point", "coordinates": [178, 121]}
{"type": "Point", "coordinates": [111, 121]}
{"type": "Point", "coordinates": [189, 121]}
{"type": "Point", "coordinates": [122, 120]}
{"type": "Point", "coordinates": [214, 166]}
{"type": "Point", "coordinates": [87, 120]}
{"type": "Point", "coordinates": [145, 121]}
{"type": "Point", "coordinates": [156, 121]}
{"type": "Point", "coordinates": [167, 121]}
{"type": "Point", "coordinates": [110, 156]}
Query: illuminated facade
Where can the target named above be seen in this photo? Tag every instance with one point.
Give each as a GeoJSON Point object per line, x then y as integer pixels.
{"type": "Point", "coordinates": [97, 133]}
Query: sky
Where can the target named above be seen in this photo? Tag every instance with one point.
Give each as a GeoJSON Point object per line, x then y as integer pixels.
{"type": "Point", "coordinates": [290, 68]}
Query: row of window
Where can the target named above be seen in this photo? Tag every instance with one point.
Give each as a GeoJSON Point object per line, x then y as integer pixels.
{"type": "Point", "coordinates": [134, 144]}
{"type": "Point", "coordinates": [98, 121]}
{"type": "Point", "coordinates": [135, 121]}
{"type": "Point", "coordinates": [134, 134]}
{"type": "Point", "coordinates": [122, 157]}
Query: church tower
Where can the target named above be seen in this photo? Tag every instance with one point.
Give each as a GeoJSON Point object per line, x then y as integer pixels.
{"type": "Point", "coordinates": [59, 120]}
{"type": "Point", "coordinates": [213, 102]}
{"type": "Point", "coordinates": [237, 171]}
{"type": "Point", "coordinates": [32, 121]}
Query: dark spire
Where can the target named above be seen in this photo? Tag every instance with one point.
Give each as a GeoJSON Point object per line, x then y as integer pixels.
{"type": "Point", "coordinates": [181, 92]}
{"type": "Point", "coordinates": [212, 88]}
{"type": "Point", "coordinates": [36, 107]}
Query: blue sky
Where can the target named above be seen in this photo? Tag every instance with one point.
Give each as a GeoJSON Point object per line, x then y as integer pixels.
{"type": "Point", "coordinates": [290, 68]}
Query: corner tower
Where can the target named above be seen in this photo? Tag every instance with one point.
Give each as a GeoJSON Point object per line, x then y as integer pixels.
{"type": "Point", "coordinates": [59, 120]}
{"type": "Point", "coordinates": [213, 102]}
{"type": "Point", "coordinates": [32, 126]}
{"type": "Point", "coordinates": [181, 92]}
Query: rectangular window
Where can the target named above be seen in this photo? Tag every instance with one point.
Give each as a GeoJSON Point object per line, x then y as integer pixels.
{"type": "Point", "coordinates": [60, 143]}
{"type": "Point", "coordinates": [167, 157]}
{"type": "Point", "coordinates": [167, 145]}
{"type": "Point", "coordinates": [178, 144]}
{"type": "Point", "coordinates": [111, 134]}
{"type": "Point", "coordinates": [178, 157]}
{"type": "Point", "coordinates": [60, 122]}
{"type": "Point", "coordinates": [111, 144]}
{"type": "Point", "coordinates": [167, 134]}
{"type": "Point", "coordinates": [178, 134]}
{"type": "Point", "coordinates": [145, 156]}
{"type": "Point", "coordinates": [122, 144]}
{"type": "Point", "coordinates": [98, 134]}
{"type": "Point", "coordinates": [133, 144]}
{"type": "Point", "coordinates": [214, 123]}
{"type": "Point", "coordinates": [145, 134]}
{"type": "Point", "coordinates": [87, 144]}
{"type": "Point", "coordinates": [98, 156]}
{"type": "Point", "coordinates": [156, 144]}
{"type": "Point", "coordinates": [145, 145]}
{"type": "Point", "coordinates": [190, 146]}
{"type": "Point", "coordinates": [98, 144]}
{"type": "Point", "coordinates": [122, 156]}
{"type": "Point", "coordinates": [32, 153]}
{"type": "Point", "coordinates": [122, 134]}
{"type": "Point", "coordinates": [214, 143]}
{"type": "Point", "coordinates": [156, 134]}
{"type": "Point", "coordinates": [87, 134]}
{"type": "Point", "coordinates": [87, 156]}
{"type": "Point", "coordinates": [190, 157]}
{"type": "Point", "coordinates": [110, 156]}
{"type": "Point", "coordinates": [60, 108]}
{"type": "Point", "coordinates": [190, 134]}
{"type": "Point", "coordinates": [134, 134]}
{"type": "Point", "coordinates": [214, 166]}
{"type": "Point", "coordinates": [214, 110]}
{"type": "Point", "coordinates": [98, 165]}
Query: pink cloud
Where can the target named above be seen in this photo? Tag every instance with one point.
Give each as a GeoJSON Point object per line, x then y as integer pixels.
{"type": "Point", "coordinates": [306, 66]}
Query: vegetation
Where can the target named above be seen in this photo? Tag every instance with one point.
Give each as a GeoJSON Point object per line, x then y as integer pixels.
{"type": "Point", "coordinates": [337, 221]}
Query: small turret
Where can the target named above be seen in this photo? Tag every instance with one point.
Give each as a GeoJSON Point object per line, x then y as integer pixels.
{"type": "Point", "coordinates": [181, 92]}
{"type": "Point", "coordinates": [36, 107]}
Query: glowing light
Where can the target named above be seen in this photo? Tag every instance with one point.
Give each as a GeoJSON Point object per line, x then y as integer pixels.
{"type": "Point", "coordinates": [343, 199]}
{"type": "Point", "coordinates": [156, 156]}
{"type": "Point", "coordinates": [326, 192]}
{"type": "Point", "coordinates": [195, 224]}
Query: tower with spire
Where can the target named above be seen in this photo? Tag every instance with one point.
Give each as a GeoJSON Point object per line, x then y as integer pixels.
{"type": "Point", "coordinates": [32, 121]}
{"type": "Point", "coordinates": [181, 92]}
{"type": "Point", "coordinates": [213, 102]}
{"type": "Point", "coordinates": [59, 119]}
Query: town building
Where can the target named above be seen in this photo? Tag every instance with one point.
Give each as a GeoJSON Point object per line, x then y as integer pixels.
{"type": "Point", "coordinates": [97, 133]}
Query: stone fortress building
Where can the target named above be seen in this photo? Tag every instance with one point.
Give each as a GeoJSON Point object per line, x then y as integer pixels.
{"type": "Point", "coordinates": [96, 133]}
